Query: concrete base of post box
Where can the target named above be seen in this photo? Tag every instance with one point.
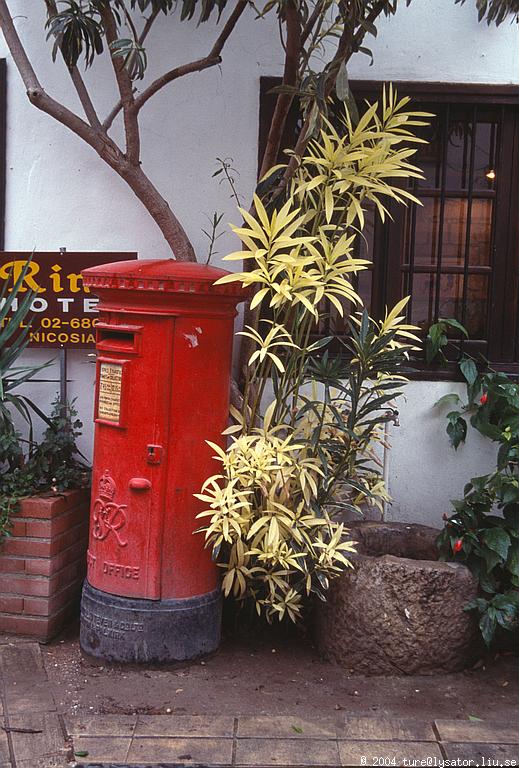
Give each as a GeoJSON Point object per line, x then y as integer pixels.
{"type": "Point", "coordinates": [129, 630]}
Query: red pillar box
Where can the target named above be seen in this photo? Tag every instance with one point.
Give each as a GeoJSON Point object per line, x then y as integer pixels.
{"type": "Point", "coordinates": [164, 347]}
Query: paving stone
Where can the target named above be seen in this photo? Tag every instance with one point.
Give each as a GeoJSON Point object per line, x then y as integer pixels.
{"type": "Point", "coordinates": [49, 742]}
{"type": "Point", "coordinates": [21, 661]}
{"type": "Point", "coordinates": [4, 747]}
{"type": "Point", "coordinates": [291, 752]}
{"type": "Point", "coordinates": [382, 729]}
{"type": "Point", "coordinates": [376, 752]}
{"type": "Point", "coordinates": [184, 751]}
{"type": "Point", "coordinates": [185, 725]}
{"type": "Point", "coordinates": [465, 731]}
{"type": "Point", "coordinates": [105, 725]}
{"type": "Point", "coordinates": [285, 727]}
{"type": "Point", "coordinates": [103, 748]}
{"type": "Point", "coordinates": [141, 765]}
{"type": "Point", "coordinates": [43, 762]}
{"type": "Point", "coordinates": [498, 753]}
{"type": "Point", "coordinates": [28, 696]}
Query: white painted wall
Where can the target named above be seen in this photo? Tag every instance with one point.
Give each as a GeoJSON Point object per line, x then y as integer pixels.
{"type": "Point", "coordinates": [425, 472]}
{"type": "Point", "coordinates": [60, 194]}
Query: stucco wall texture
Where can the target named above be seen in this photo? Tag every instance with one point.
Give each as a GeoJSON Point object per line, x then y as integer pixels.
{"type": "Point", "coordinates": [59, 193]}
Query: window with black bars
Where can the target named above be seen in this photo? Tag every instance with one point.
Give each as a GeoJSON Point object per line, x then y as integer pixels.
{"type": "Point", "coordinates": [456, 255]}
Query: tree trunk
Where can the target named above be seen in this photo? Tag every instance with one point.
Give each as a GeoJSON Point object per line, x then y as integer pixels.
{"type": "Point", "coordinates": [158, 208]}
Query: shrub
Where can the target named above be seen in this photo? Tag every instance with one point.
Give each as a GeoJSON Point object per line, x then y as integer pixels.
{"type": "Point", "coordinates": [297, 459]}
{"type": "Point", "coordinates": [488, 543]}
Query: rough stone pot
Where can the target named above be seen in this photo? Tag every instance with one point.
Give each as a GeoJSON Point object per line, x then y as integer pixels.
{"type": "Point", "coordinates": [400, 611]}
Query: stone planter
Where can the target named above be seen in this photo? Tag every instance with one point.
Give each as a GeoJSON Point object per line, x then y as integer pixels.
{"type": "Point", "coordinates": [400, 612]}
{"type": "Point", "coordinates": [42, 564]}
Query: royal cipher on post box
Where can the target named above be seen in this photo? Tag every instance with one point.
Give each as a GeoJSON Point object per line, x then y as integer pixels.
{"type": "Point", "coordinates": [164, 347]}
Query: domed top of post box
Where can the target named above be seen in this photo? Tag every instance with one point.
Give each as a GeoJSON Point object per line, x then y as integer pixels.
{"type": "Point", "coordinates": [163, 286]}
{"type": "Point", "coordinates": [164, 275]}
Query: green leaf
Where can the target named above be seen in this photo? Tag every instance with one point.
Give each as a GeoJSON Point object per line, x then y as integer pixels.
{"type": "Point", "coordinates": [320, 343]}
{"type": "Point", "coordinates": [502, 456]}
{"type": "Point", "coordinates": [456, 428]}
{"type": "Point", "coordinates": [450, 399]}
{"type": "Point", "coordinates": [480, 422]}
{"type": "Point", "coordinates": [474, 719]}
{"type": "Point", "coordinates": [510, 493]}
{"type": "Point", "coordinates": [498, 540]}
{"type": "Point", "coordinates": [487, 625]}
{"type": "Point", "coordinates": [435, 340]}
{"type": "Point", "coordinates": [469, 370]}
{"type": "Point", "coordinates": [342, 86]}
{"type": "Point", "coordinates": [297, 729]}
{"type": "Point", "coordinates": [452, 323]}
{"type": "Point", "coordinates": [80, 753]}
{"type": "Point", "coordinates": [513, 560]}
{"type": "Point", "coordinates": [491, 558]}
{"type": "Point", "coordinates": [511, 515]}
{"type": "Point", "coordinates": [509, 602]}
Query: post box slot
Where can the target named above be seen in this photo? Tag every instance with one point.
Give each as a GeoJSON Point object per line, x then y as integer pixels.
{"type": "Point", "coordinates": [115, 341]}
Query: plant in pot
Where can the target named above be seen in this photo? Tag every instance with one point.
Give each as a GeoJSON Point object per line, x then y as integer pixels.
{"type": "Point", "coordinates": [302, 453]}
{"type": "Point", "coordinates": [302, 448]}
{"type": "Point", "coordinates": [43, 507]}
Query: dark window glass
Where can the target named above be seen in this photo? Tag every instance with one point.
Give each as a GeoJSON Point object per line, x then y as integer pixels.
{"type": "Point", "coordinates": [447, 243]}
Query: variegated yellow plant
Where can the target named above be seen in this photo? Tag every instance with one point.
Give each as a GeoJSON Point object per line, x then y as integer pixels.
{"type": "Point", "coordinates": [292, 467]}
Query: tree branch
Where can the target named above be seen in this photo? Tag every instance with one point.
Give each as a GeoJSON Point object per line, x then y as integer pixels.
{"type": "Point", "coordinates": [129, 22]}
{"type": "Point", "coordinates": [16, 48]}
{"type": "Point", "coordinates": [349, 43]}
{"type": "Point", "coordinates": [275, 135]}
{"type": "Point", "coordinates": [344, 48]}
{"type": "Point", "coordinates": [79, 85]}
{"type": "Point", "coordinates": [370, 18]}
{"type": "Point", "coordinates": [290, 78]}
{"type": "Point", "coordinates": [84, 98]}
{"type": "Point", "coordinates": [147, 26]}
{"type": "Point", "coordinates": [107, 122]}
{"type": "Point", "coordinates": [136, 179]}
{"type": "Point", "coordinates": [212, 58]}
{"type": "Point", "coordinates": [144, 34]}
{"type": "Point", "coordinates": [124, 83]}
{"type": "Point", "coordinates": [159, 209]}
{"type": "Point", "coordinates": [307, 29]}
{"type": "Point", "coordinates": [104, 146]}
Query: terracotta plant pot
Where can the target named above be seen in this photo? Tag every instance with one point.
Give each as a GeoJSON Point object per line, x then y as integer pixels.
{"type": "Point", "coordinates": [42, 564]}
{"type": "Point", "coordinates": [400, 611]}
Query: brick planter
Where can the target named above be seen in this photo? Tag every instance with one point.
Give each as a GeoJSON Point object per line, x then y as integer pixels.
{"type": "Point", "coordinates": [42, 564]}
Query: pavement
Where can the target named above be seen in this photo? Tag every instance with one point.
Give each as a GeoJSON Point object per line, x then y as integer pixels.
{"type": "Point", "coordinates": [35, 734]}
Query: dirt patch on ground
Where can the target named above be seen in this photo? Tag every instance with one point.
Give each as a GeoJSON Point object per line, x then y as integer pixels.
{"type": "Point", "coordinates": [283, 676]}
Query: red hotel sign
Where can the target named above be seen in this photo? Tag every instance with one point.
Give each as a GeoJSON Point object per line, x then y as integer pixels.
{"type": "Point", "coordinates": [65, 312]}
